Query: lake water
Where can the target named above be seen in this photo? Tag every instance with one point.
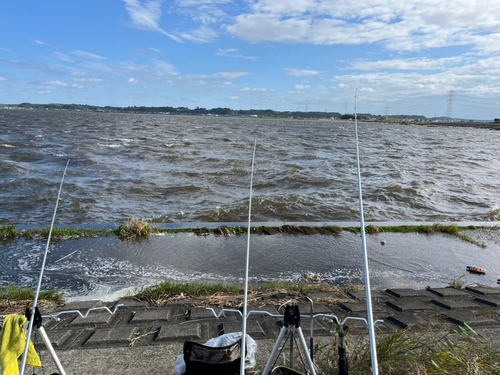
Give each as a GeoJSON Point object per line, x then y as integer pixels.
{"type": "Point", "coordinates": [180, 169]}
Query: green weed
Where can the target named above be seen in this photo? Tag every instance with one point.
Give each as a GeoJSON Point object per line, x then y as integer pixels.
{"type": "Point", "coordinates": [462, 351]}
{"type": "Point", "coordinates": [15, 293]}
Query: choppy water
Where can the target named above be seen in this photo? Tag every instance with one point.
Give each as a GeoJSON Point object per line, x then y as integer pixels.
{"type": "Point", "coordinates": [197, 169]}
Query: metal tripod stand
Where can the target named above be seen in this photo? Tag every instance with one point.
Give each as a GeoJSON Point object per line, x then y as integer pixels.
{"type": "Point", "coordinates": [291, 325]}
{"type": "Point", "coordinates": [37, 323]}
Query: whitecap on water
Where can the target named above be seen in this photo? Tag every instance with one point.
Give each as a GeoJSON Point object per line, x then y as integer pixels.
{"type": "Point", "coordinates": [8, 146]}
{"type": "Point", "coordinates": [112, 145]}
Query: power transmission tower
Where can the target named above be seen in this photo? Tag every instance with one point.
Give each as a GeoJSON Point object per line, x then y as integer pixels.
{"type": "Point", "coordinates": [386, 110]}
{"type": "Point", "coordinates": [345, 112]}
{"type": "Point", "coordinates": [451, 99]}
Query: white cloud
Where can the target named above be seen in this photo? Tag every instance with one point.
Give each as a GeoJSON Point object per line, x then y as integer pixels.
{"type": "Point", "coordinates": [132, 81]}
{"type": "Point", "coordinates": [5, 49]}
{"type": "Point", "coordinates": [82, 63]}
{"type": "Point", "coordinates": [88, 80]}
{"type": "Point", "coordinates": [197, 3]}
{"type": "Point", "coordinates": [57, 83]}
{"type": "Point", "coordinates": [301, 72]}
{"type": "Point", "coordinates": [233, 97]}
{"type": "Point", "coordinates": [147, 16]}
{"type": "Point", "coordinates": [408, 25]}
{"type": "Point", "coordinates": [204, 11]}
{"type": "Point", "coordinates": [230, 75]}
{"type": "Point", "coordinates": [3, 79]}
{"type": "Point", "coordinates": [481, 77]}
{"type": "Point", "coordinates": [256, 89]}
{"type": "Point", "coordinates": [88, 54]}
{"type": "Point", "coordinates": [164, 67]}
{"type": "Point", "coordinates": [201, 35]}
{"type": "Point", "coordinates": [38, 42]}
{"type": "Point", "coordinates": [301, 87]}
{"type": "Point", "coordinates": [155, 50]}
{"type": "Point", "coordinates": [232, 53]}
{"type": "Point", "coordinates": [407, 64]}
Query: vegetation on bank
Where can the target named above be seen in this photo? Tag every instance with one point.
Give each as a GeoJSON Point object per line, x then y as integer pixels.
{"type": "Point", "coordinates": [8, 232]}
{"type": "Point", "coordinates": [421, 349]}
{"type": "Point", "coordinates": [139, 228]}
{"type": "Point", "coordinates": [20, 293]}
{"type": "Point", "coordinates": [170, 288]}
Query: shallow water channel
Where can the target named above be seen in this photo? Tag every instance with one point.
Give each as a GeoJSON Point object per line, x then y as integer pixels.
{"type": "Point", "coordinates": [107, 267]}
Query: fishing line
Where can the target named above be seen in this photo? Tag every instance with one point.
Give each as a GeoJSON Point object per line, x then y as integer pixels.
{"type": "Point", "coordinates": [35, 301]}
{"type": "Point", "coordinates": [245, 298]}
{"type": "Point", "coordinates": [371, 328]}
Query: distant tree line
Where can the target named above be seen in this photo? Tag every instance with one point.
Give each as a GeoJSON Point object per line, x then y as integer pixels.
{"type": "Point", "coordinates": [220, 111]}
{"type": "Point", "coordinates": [199, 111]}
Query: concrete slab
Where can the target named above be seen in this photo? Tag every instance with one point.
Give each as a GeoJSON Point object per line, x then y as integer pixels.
{"type": "Point", "coordinates": [305, 309]}
{"type": "Point", "coordinates": [197, 313]}
{"type": "Point", "coordinates": [361, 294]}
{"type": "Point", "coordinates": [130, 302]}
{"type": "Point", "coordinates": [405, 293]}
{"type": "Point", "coordinates": [471, 320]}
{"type": "Point", "coordinates": [359, 307]}
{"type": "Point", "coordinates": [57, 338]}
{"type": "Point", "coordinates": [106, 336]}
{"type": "Point", "coordinates": [180, 332]}
{"type": "Point", "coordinates": [82, 306]}
{"type": "Point", "coordinates": [405, 321]}
{"type": "Point", "coordinates": [151, 315]}
{"type": "Point", "coordinates": [320, 327]}
{"type": "Point", "coordinates": [410, 304]}
{"type": "Point", "coordinates": [94, 318]}
{"type": "Point", "coordinates": [254, 328]}
{"type": "Point", "coordinates": [491, 300]}
{"type": "Point", "coordinates": [482, 290]}
{"type": "Point", "coordinates": [268, 308]}
{"type": "Point", "coordinates": [448, 292]}
{"type": "Point", "coordinates": [454, 304]}
{"type": "Point", "coordinates": [321, 295]}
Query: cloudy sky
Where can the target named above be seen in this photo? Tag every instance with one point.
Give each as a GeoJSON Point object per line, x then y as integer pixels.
{"type": "Point", "coordinates": [402, 56]}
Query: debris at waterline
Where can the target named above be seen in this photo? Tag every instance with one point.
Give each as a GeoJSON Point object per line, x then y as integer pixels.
{"type": "Point", "coordinates": [476, 270]}
{"type": "Point", "coordinates": [135, 228]}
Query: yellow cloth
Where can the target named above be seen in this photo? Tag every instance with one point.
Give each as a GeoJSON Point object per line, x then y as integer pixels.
{"type": "Point", "coordinates": [12, 342]}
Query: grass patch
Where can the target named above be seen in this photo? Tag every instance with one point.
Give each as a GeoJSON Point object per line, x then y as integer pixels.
{"type": "Point", "coordinates": [19, 293]}
{"type": "Point", "coordinates": [136, 228]}
{"type": "Point", "coordinates": [190, 289]}
{"type": "Point", "coordinates": [462, 351]}
{"type": "Point", "coordinates": [10, 232]}
{"type": "Point", "coordinates": [139, 228]}
{"type": "Point", "coordinates": [203, 295]}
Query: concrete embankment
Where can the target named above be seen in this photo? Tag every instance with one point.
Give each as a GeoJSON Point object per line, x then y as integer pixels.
{"type": "Point", "coordinates": [144, 339]}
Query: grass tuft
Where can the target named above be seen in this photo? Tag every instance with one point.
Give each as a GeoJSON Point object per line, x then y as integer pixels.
{"type": "Point", "coordinates": [19, 293]}
{"type": "Point", "coordinates": [413, 352]}
{"type": "Point", "coordinates": [9, 232]}
{"type": "Point", "coordinates": [135, 228]}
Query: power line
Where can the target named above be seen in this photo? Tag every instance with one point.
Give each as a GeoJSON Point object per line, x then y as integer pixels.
{"type": "Point", "coordinates": [449, 109]}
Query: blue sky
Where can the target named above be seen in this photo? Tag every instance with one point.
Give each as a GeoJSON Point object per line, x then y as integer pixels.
{"type": "Point", "coordinates": [402, 56]}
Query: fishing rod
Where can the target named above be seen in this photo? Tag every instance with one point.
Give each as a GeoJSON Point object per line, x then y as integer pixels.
{"type": "Point", "coordinates": [245, 298]}
{"type": "Point", "coordinates": [35, 301]}
{"type": "Point", "coordinates": [371, 328]}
